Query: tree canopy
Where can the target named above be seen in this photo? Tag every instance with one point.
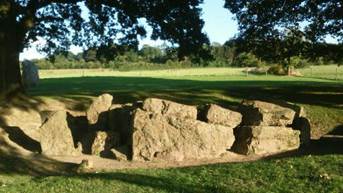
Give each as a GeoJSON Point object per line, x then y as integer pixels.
{"type": "Point", "coordinates": [268, 18]}
{"type": "Point", "coordinates": [64, 22]}
{"type": "Point", "coordinates": [90, 23]}
{"type": "Point", "coordinates": [283, 26]}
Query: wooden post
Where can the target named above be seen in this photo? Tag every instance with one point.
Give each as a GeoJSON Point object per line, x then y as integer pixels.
{"type": "Point", "coordinates": [311, 71]}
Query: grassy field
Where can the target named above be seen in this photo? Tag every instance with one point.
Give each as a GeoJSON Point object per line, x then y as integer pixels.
{"type": "Point", "coordinates": [310, 174]}
{"type": "Point", "coordinates": [324, 72]}
{"type": "Point", "coordinates": [142, 73]}
{"type": "Point", "coordinates": [317, 171]}
{"type": "Point", "coordinates": [322, 98]}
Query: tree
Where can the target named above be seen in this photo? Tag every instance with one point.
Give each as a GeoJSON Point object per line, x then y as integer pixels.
{"type": "Point", "coordinates": [224, 53]}
{"type": "Point", "coordinates": [62, 23]}
{"type": "Point", "coordinates": [150, 53]}
{"type": "Point", "coordinates": [265, 23]}
{"type": "Point", "coordinates": [246, 60]}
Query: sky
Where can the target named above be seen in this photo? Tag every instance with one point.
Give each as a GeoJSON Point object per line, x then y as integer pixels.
{"type": "Point", "coordinates": [219, 26]}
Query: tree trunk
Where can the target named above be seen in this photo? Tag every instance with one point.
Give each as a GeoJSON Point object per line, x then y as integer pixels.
{"type": "Point", "coordinates": [10, 76]}
{"type": "Point", "coordinates": [288, 66]}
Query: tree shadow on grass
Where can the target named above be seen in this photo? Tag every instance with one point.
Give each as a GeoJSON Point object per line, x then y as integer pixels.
{"type": "Point", "coordinates": [129, 89]}
{"type": "Point", "coordinates": [331, 143]}
{"type": "Point", "coordinates": [157, 183]}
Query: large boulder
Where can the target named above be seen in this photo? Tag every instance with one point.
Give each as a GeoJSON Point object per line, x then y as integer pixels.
{"type": "Point", "coordinates": [156, 136]}
{"type": "Point", "coordinates": [30, 73]}
{"type": "Point", "coordinates": [28, 120]}
{"type": "Point", "coordinates": [117, 155]}
{"type": "Point", "coordinates": [218, 115]}
{"type": "Point", "coordinates": [170, 109]}
{"type": "Point", "coordinates": [13, 144]}
{"type": "Point", "coordinates": [265, 140]}
{"type": "Point", "coordinates": [97, 112]}
{"type": "Point", "coordinates": [258, 113]}
{"type": "Point", "coordinates": [104, 141]}
{"type": "Point", "coordinates": [56, 136]}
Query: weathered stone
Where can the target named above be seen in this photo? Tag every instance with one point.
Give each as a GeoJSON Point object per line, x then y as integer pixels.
{"type": "Point", "coordinates": [218, 115]}
{"type": "Point", "coordinates": [10, 144]}
{"type": "Point", "coordinates": [30, 73]}
{"type": "Point", "coordinates": [170, 138]}
{"type": "Point", "coordinates": [28, 120]}
{"type": "Point", "coordinates": [258, 113]}
{"type": "Point", "coordinates": [98, 108]}
{"type": "Point", "coordinates": [301, 112]}
{"type": "Point", "coordinates": [170, 109]}
{"type": "Point", "coordinates": [85, 166]}
{"type": "Point", "coordinates": [118, 155]}
{"type": "Point", "coordinates": [303, 125]}
{"type": "Point", "coordinates": [56, 137]}
{"type": "Point", "coordinates": [265, 139]}
{"type": "Point", "coordinates": [104, 141]}
{"type": "Point", "coordinates": [15, 137]}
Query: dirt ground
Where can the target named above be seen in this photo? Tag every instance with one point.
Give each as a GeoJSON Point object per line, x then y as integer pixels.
{"type": "Point", "coordinates": [102, 164]}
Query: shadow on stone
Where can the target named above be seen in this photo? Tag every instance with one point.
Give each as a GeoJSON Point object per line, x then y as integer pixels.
{"type": "Point", "coordinates": [17, 136]}
{"type": "Point", "coordinates": [329, 144]}
{"type": "Point", "coordinates": [78, 126]}
{"type": "Point", "coordinates": [120, 121]}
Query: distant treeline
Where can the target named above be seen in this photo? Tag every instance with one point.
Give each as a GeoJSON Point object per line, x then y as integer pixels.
{"type": "Point", "coordinates": [232, 53]}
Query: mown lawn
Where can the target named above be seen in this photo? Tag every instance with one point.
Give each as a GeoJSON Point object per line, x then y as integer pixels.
{"type": "Point", "coordinates": [310, 174]}
{"type": "Point", "coordinates": [322, 98]}
{"type": "Point", "coordinates": [317, 171]}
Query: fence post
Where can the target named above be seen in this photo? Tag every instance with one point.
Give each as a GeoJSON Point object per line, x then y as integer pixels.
{"type": "Point", "coordinates": [311, 71]}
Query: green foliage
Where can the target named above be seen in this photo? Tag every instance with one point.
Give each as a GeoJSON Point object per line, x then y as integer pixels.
{"type": "Point", "coordinates": [266, 20]}
{"type": "Point", "coordinates": [299, 62]}
{"type": "Point", "coordinates": [223, 55]}
{"type": "Point", "coordinates": [247, 60]}
{"type": "Point", "coordinates": [278, 30]}
{"type": "Point", "coordinates": [150, 53]}
{"type": "Point", "coordinates": [126, 58]}
{"type": "Point", "coordinates": [90, 55]}
{"type": "Point", "coordinates": [277, 70]}
{"type": "Point", "coordinates": [63, 24]}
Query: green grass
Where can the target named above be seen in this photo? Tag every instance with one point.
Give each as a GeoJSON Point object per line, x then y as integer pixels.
{"type": "Point", "coordinates": [323, 72]}
{"type": "Point", "coordinates": [310, 174]}
{"type": "Point", "coordinates": [322, 99]}
{"type": "Point", "coordinates": [140, 73]}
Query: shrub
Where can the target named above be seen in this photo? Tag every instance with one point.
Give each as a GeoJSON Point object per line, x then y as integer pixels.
{"type": "Point", "coordinates": [299, 62]}
{"type": "Point", "coordinates": [277, 70]}
{"type": "Point", "coordinates": [245, 59]}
